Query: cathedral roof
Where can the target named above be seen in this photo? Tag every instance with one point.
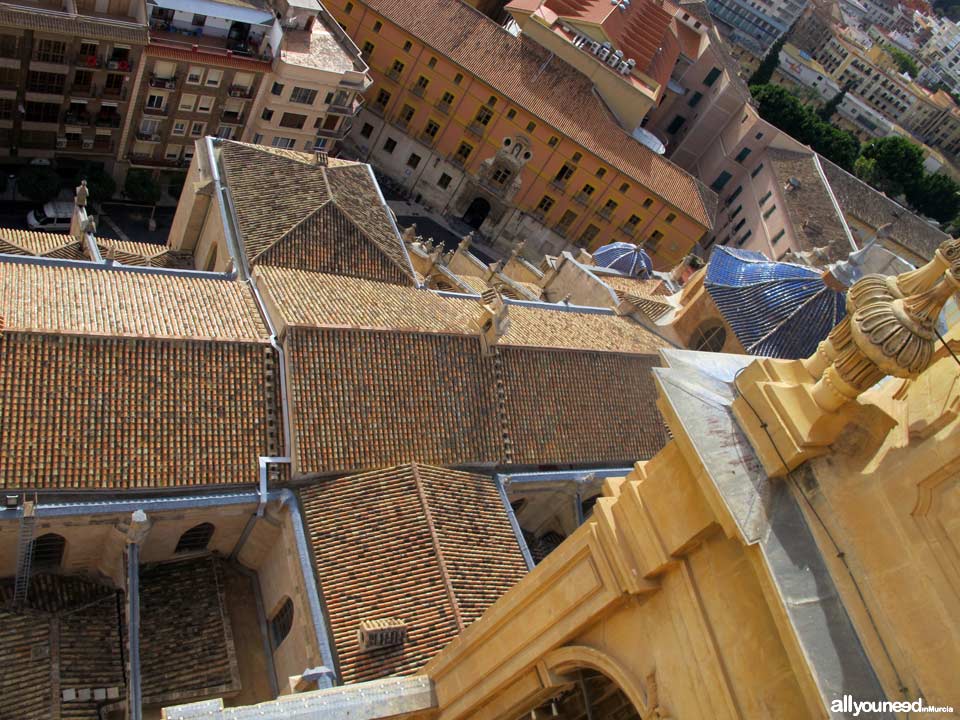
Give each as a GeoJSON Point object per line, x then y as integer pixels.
{"type": "Point", "coordinates": [624, 257]}
{"type": "Point", "coordinates": [776, 309]}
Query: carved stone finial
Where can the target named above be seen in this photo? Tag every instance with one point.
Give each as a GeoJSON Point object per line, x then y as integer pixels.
{"type": "Point", "coordinates": [493, 322]}
{"type": "Point", "coordinates": [410, 233]}
{"type": "Point", "coordinates": [517, 248]}
{"type": "Point", "coordinates": [82, 194]}
{"type": "Point", "coordinates": [465, 242]}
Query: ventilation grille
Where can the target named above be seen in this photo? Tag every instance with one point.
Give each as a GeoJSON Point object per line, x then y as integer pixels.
{"type": "Point", "coordinates": [376, 634]}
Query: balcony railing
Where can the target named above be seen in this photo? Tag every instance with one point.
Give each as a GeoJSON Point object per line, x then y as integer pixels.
{"type": "Point", "coordinates": [115, 92]}
{"type": "Point", "coordinates": [163, 83]}
{"type": "Point", "coordinates": [605, 212]}
{"type": "Point", "coordinates": [109, 121]}
{"type": "Point", "coordinates": [231, 118]}
{"type": "Point", "coordinates": [393, 74]}
{"type": "Point", "coordinates": [84, 90]}
{"type": "Point", "coordinates": [148, 137]}
{"type": "Point", "coordinates": [349, 109]}
{"type": "Point", "coordinates": [155, 110]}
{"type": "Point", "coordinates": [443, 107]}
{"type": "Point", "coordinates": [332, 134]}
{"type": "Point", "coordinates": [239, 91]}
{"type": "Point", "coordinates": [151, 161]}
{"type": "Point", "coordinates": [117, 65]}
{"type": "Point", "coordinates": [581, 198]}
{"type": "Point", "coordinates": [627, 229]}
{"type": "Point", "coordinates": [475, 129]}
{"type": "Point", "coordinates": [418, 90]}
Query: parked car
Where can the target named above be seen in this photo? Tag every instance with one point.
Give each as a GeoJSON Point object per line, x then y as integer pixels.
{"type": "Point", "coordinates": [55, 216]}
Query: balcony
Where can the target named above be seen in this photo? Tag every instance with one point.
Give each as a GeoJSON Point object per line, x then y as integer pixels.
{"type": "Point", "coordinates": [605, 212]}
{"type": "Point", "coordinates": [393, 74]}
{"type": "Point", "coordinates": [193, 40]}
{"type": "Point", "coordinates": [581, 198]}
{"type": "Point", "coordinates": [627, 229]}
{"type": "Point", "coordinates": [475, 129]}
{"type": "Point", "coordinates": [119, 65]}
{"type": "Point", "coordinates": [108, 121]}
{"type": "Point", "coordinates": [149, 137]}
{"type": "Point", "coordinates": [443, 107]}
{"type": "Point", "coordinates": [161, 111]}
{"type": "Point", "coordinates": [92, 62]}
{"type": "Point", "coordinates": [333, 134]}
{"type": "Point", "coordinates": [229, 117]}
{"type": "Point", "coordinates": [377, 109]}
{"type": "Point", "coordinates": [239, 91]}
{"type": "Point", "coordinates": [350, 109]}
{"type": "Point", "coordinates": [561, 230]}
{"type": "Point", "coordinates": [418, 90]}
{"type": "Point", "coordinates": [84, 90]}
{"type": "Point", "coordinates": [163, 83]}
{"type": "Point", "coordinates": [559, 184]}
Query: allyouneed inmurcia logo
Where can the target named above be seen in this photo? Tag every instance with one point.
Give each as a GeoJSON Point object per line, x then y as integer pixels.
{"type": "Point", "coordinates": [849, 706]}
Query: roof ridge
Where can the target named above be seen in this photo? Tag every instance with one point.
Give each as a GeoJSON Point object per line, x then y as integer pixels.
{"type": "Point", "coordinates": [434, 538]}
{"type": "Point", "coordinates": [134, 336]}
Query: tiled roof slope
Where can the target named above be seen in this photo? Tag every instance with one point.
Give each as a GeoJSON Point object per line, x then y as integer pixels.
{"type": "Point", "coordinates": [809, 206]}
{"type": "Point", "coordinates": [121, 380]}
{"type": "Point", "coordinates": [25, 684]}
{"type": "Point", "coordinates": [428, 546]}
{"type": "Point", "coordinates": [27, 242]}
{"type": "Point", "coordinates": [279, 199]}
{"type": "Point", "coordinates": [866, 204]}
{"type": "Point", "coordinates": [144, 254]}
{"type": "Point", "coordinates": [201, 662]}
{"type": "Point", "coordinates": [532, 77]}
{"type": "Point", "coordinates": [132, 304]}
{"type": "Point", "coordinates": [317, 300]}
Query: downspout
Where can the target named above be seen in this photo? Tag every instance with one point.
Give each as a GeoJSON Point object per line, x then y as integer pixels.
{"type": "Point", "coordinates": [517, 531]}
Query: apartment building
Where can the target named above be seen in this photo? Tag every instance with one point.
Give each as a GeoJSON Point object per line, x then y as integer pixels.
{"type": "Point", "coordinates": [509, 136]}
{"type": "Point", "coordinates": [756, 24]}
{"type": "Point", "coordinates": [241, 72]}
{"type": "Point", "coordinates": [66, 72]}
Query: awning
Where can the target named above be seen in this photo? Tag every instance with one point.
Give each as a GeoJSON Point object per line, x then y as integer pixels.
{"type": "Point", "coordinates": [251, 15]}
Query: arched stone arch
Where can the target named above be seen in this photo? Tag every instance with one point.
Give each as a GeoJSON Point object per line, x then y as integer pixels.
{"type": "Point", "coordinates": [567, 659]}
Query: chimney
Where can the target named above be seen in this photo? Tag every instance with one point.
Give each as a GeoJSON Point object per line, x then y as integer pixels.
{"type": "Point", "coordinates": [321, 157]}
{"type": "Point", "coordinates": [493, 322]}
{"type": "Point", "coordinates": [376, 634]}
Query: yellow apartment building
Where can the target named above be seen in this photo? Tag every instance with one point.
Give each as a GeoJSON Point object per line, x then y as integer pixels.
{"type": "Point", "coordinates": [520, 144]}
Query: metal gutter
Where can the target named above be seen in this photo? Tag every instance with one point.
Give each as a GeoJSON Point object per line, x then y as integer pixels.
{"type": "Point", "coordinates": [393, 223]}
{"type": "Point", "coordinates": [517, 531]}
{"type": "Point", "coordinates": [134, 692]}
{"type": "Point", "coordinates": [115, 266]}
{"type": "Point", "coordinates": [833, 200]}
{"type": "Point", "coordinates": [561, 475]}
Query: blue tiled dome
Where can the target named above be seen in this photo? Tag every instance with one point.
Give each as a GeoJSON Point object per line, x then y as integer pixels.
{"type": "Point", "coordinates": [776, 309]}
{"type": "Point", "coordinates": [625, 257]}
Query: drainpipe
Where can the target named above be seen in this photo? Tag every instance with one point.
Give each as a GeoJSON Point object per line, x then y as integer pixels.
{"type": "Point", "coordinates": [139, 527]}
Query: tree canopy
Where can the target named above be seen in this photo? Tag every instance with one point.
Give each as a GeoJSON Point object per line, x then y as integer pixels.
{"type": "Point", "coordinates": [897, 165]}
{"type": "Point", "coordinates": [830, 107]}
{"type": "Point", "coordinates": [936, 196]}
{"type": "Point", "coordinates": [905, 63]}
{"type": "Point", "coordinates": [141, 186]}
{"type": "Point", "coordinates": [768, 65]}
{"type": "Point", "coordinates": [38, 183]}
{"type": "Point", "coordinates": [778, 106]}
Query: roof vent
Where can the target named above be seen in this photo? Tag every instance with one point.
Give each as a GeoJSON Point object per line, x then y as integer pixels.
{"type": "Point", "coordinates": [792, 184]}
{"type": "Point", "coordinates": [376, 634]}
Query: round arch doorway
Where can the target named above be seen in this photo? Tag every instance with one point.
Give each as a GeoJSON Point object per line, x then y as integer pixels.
{"type": "Point", "coordinates": [477, 212]}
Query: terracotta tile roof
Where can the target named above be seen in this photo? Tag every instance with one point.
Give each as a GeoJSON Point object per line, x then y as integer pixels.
{"type": "Point", "coordinates": [363, 399]}
{"type": "Point", "coordinates": [174, 663]}
{"type": "Point", "coordinates": [317, 300]}
{"type": "Point", "coordinates": [580, 407]}
{"type": "Point", "coordinates": [875, 209]}
{"type": "Point", "coordinates": [116, 303]}
{"type": "Point", "coordinates": [646, 295]}
{"type": "Point", "coordinates": [279, 200]}
{"type": "Point", "coordinates": [101, 413]}
{"type": "Point", "coordinates": [81, 648]}
{"type": "Point", "coordinates": [201, 57]}
{"type": "Point", "coordinates": [28, 242]}
{"type": "Point", "coordinates": [144, 254]}
{"type": "Point", "coordinates": [809, 207]}
{"type": "Point", "coordinates": [428, 546]}
{"type": "Point", "coordinates": [544, 85]}
{"type": "Point", "coordinates": [63, 23]}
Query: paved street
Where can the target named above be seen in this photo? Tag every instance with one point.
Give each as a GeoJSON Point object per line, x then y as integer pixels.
{"type": "Point", "coordinates": [117, 221]}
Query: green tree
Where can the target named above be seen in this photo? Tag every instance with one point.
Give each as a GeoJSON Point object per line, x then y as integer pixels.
{"type": "Point", "coordinates": [936, 196]}
{"type": "Point", "coordinates": [839, 146]}
{"type": "Point", "coordinates": [142, 187]}
{"type": "Point", "coordinates": [904, 62]}
{"type": "Point", "coordinates": [897, 167]}
{"type": "Point", "coordinates": [768, 65]}
{"type": "Point", "coordinates": [100, 183]}
{"type": "Point", "coordinates": [38, 183]}
{"type": "Point", "coordinates": [830, 107]}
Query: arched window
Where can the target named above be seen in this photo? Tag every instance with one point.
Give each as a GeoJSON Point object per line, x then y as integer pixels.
{"type": "Point", "coordinates": [46, 552]}
{"type": "Point", "coordinates": [709, 337]}
{"type": "Point", "coordinates": [195, 539]}
{"type": "Point", "coordinates": [281, 622]}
